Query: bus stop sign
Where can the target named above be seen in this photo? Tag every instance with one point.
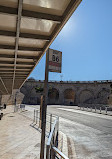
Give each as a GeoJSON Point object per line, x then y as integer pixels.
{"type": "Point", "coordinates": [55, 60]}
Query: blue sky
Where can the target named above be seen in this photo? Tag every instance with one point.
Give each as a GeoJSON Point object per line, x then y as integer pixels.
{"type": "Point", "coordinates": [86, 44]}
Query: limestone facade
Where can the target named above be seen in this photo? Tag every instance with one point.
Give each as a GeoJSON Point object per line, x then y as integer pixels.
{"type": "Point", "coordinates": [68, 93]}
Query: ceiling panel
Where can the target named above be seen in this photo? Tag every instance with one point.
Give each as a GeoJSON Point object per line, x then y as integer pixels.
{"type": "Point", "coordinates": [27, 29]}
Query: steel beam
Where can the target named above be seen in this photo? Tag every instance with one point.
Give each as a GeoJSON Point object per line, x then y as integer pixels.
{"type": "Point", "coordinates": [17, 67]}
{"type": "Point", "coordinates": [39, 15]}
{"type": "Point", "coordinates": [4, 85]}
{"type": "Point", "coordinates": [25, 35]}
{"type": "Point", "coordinates": [31, 14]}
{"type": "Point", "coordinates": [19, 63]}
{"type": "Point", "coordinates": [11, 71]}
{"type": "Point", "coordinates": [18, 56]}
{"type": "Point", "coordinates": [11, 47]}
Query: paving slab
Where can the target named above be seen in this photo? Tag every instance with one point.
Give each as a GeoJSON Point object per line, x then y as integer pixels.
{"type": "Point", "coordinates": [18, 140]}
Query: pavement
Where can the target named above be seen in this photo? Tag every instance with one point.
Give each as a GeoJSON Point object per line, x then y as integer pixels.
{"type": "Point", "coordinates": [83, 134]}
{"type": "Point", "coordinates": [20, 137]}
{"type": "Point", "coordinates": [18, 140]}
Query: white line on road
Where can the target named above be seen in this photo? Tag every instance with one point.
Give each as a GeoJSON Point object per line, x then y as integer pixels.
{"type": "Point", "coordinates": [87, 113]}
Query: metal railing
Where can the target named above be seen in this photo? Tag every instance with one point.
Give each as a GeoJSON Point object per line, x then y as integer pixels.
{"type": "Point", "coordinates": [52, 140]}
{"type": "Point", "coordinates": [49, 121]}
{"type": "Point", "coordinates": [52, 132]}
{"type": "Point", "coordinates": [52, 150]}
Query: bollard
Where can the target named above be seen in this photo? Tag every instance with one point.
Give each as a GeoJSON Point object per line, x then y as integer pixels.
{"type": "Point", "coordinates": [106, 110]}
{"type": "Point", "coordinates": [50, 122]}
{"type": "Point", "coordinates": [100, 110]}
{"type": "Point", "coordinates": [95, 109]}
{"type": "Point", "coordinates": [91, 109]}
{"type": "Point", "coordinates": [83, 107]}
{"type": "Point", "coordinates": [34, 116]}
{"type": "Point", "coordinates": [87, 108]}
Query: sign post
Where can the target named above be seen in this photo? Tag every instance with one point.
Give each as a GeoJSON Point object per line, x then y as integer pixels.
{"type": "Point", "coordinates": [53, 64]}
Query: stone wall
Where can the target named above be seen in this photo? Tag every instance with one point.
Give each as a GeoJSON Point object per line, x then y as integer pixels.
{"type": "Point", "coordinates": [67, 93]}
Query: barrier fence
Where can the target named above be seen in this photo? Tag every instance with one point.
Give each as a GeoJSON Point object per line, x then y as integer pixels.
{"type": "Point", "coordinates": [101, 110]}
{"type": "Point", "coordinates": [52, 132]}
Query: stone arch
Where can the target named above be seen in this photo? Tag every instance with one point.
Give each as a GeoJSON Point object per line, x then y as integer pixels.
{"type": "Point", "coordinates": [53, 96]}
{"type": "Point", "coordinates": [29, 95]}
{"type": "Point", "coordinates": [102, 96]}
{"type": "Point", "coordinates": [69, 96]}
{"type": "Point", "coordinates": [86, 96]}
{"type": "Point", "coordinates": [34, 96]}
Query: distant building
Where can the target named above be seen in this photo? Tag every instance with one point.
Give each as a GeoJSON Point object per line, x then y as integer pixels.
{"type": "Point", "coordinates": [67, 93]}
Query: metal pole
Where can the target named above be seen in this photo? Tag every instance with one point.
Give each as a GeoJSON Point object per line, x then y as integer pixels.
{"type": "Point", "coordinates": [36, 116]}
{"type": "Point", "coordinates": [15, 104]}
{"type": "Point", "coordinates": [100, 110]}
{"type": "Point", "coordinates": [106, 110]}
{"type": "Point", "coordinates": [40, 119]}
{"type": "Point", "coordinates": [50, 122]}
{"type": "Point", "coordinates": [44, 108]}
{"type": "Point", "coordinates": [95, 109]}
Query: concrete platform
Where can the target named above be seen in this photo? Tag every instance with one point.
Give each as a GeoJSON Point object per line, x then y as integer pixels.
{"type": "Point", "coordinates": [18, 140]}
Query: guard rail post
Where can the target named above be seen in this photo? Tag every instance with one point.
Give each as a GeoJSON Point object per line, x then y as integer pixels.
{"type": "Point", "coordinates": [50, 122]}
{"type": "Point", "coordinates": [95, 109]}
{"type": "Point", "coordinates": [83, 107]}
{"type": "Point", "coordinates": [100, 110]}
{"type": "Point", "coordinates": [106, 110]}
{"type": "Point", "coordinates": [34, 116]}
{"type": "Point", "coordinates": [87, 108]}
{"type": "Point", "coordinates": [80, 107]}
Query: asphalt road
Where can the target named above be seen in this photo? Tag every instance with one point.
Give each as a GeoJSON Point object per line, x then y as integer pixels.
{"type": "Point", "coordinates": [91, 132]}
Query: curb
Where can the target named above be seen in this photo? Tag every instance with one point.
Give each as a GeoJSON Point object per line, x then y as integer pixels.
{"type": "Point", "coordinates": [67, 146]}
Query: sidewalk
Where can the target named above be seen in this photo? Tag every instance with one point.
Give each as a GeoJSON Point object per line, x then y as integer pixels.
{"type": "Point", "coordinates": [18, 140]}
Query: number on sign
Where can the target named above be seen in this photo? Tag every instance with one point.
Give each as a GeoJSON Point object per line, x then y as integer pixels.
{"type": "Point", "coordinates": [55, 58]}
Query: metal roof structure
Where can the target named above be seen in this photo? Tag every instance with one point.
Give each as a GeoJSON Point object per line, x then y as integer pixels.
{"type": "Point", "coordinates": [27, 29]}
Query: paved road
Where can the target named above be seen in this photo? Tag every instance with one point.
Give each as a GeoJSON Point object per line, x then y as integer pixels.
{"type": "Point", "coordinates": [91, 132]}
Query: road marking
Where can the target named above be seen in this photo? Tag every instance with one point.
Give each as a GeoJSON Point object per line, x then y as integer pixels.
{"type": "Point", "coordinates": [87, 113]}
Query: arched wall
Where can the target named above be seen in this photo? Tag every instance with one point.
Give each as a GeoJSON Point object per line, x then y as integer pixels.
{"type": "Point", "coordinates": [86, 96]}
{"type": "Point", "coordinates": [53, 96]}
{"type": "Point", "coordinates": [69, 96]}
{"type": "Point", "coordinates": [102, 96]}
{"type": "Point", "coordinates": [87, 93]}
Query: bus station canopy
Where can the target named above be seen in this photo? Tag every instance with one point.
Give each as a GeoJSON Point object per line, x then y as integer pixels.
{"type": "Point", "coordinates": [27, 29]}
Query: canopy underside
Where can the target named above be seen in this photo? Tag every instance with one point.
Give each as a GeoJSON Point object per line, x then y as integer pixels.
{"type": "Point", "coordinates": [27, 29]}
